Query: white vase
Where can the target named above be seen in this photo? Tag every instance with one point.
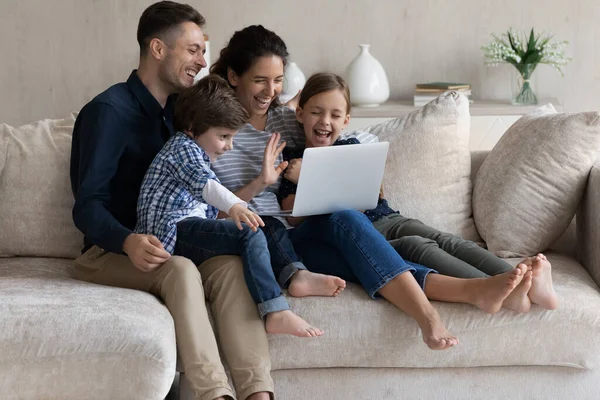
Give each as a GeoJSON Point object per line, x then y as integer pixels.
{"type": "Point", "coordinates": [367, 80]}
{"type": "Point", "coordinates": [293, 81]}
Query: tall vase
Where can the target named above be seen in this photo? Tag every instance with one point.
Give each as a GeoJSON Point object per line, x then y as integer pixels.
{"type": "Point", "coordinates": [522, 89]}
{"type": "Point", "coordinates": [367, 80]}
{"type": "Point", "coordinates": [293, 81]}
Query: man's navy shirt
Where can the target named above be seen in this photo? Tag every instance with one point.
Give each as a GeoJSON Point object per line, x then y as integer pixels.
{"type": "Point", "coordinates": [115, 138]}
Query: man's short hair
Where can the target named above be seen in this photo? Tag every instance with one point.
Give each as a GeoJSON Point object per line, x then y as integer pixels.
{"type": "Point", "coordinates": [210, 103]}
{"type": "Point", "coordinates": [161, 19]}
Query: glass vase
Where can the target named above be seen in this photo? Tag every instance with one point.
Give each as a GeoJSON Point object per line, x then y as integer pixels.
{"type": "Point", "coordinates": [522, 89]}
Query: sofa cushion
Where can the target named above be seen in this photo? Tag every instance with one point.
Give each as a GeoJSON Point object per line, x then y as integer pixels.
{"type": "Point", "coordinates": [360, 332]}
{"type": "Point", "coordinates": [65, 339]}
{"type": "Point", "coordinates": [35, 191]}
{"type": "Point", "coordinates": [428, 169]}
{"type": "Point", "coordinates": [530, 185]}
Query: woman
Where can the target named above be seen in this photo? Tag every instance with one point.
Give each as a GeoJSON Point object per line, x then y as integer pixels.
{"type": "Point", "coordinates": [345, 243]}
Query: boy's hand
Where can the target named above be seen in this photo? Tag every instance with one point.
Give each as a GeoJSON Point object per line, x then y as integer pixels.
{"type": "Point", "coordinates": [292, 173]}
{"type": "Point", "coordinates": [270, 173]}
{"type": "Point", "coordinates": [239, 213]}
{"type": "Point", "coordinates": [146, 252]}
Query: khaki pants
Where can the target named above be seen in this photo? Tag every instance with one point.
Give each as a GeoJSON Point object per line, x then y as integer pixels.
{"type": "Point", "coordinates": [179, 283]}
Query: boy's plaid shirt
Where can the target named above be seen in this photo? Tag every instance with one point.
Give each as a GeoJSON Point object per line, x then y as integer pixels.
{"type": "Point", "coordinates": [172, 190]}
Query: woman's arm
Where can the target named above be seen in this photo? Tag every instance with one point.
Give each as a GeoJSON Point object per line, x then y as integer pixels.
{"type": "Point", "coordinates": [288, 204]}
{"type": "Point", "coordinates": [269, 173]}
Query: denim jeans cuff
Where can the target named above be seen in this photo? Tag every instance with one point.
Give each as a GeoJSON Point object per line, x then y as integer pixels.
{"type": "Point", "coordinates": [288, 271]}
{"type": "Point", "coordinates": [385, 280]}
{"type": "Point", "coordinates": [279, 303]}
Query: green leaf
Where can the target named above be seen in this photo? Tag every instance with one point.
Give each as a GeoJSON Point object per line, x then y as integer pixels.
{"type": "Point", "coordinates": [512, 42]}
{"type": "Point", "coordinates": [531, 44]}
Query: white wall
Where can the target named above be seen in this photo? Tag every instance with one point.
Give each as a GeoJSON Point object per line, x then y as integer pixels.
{"type": "Point", "coordinates": [77, 48]}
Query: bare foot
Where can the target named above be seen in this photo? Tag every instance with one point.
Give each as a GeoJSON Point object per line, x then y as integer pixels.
{"type": "Point", "coordinates": [435, 335]}
{"type": "Point", "coordinates": [286, 322]}
{"type": "Point", "coordinates": [489, 293]}
{"type": "Point", "coordinates": [518, 300]}
{"type": "Point", "coordinates": [542, 291]}
{"type": "Point", "coordinates": [305, 283]}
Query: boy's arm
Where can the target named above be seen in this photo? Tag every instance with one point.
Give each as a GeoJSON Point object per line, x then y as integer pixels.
{"type": "Point", "coordinates": [100, 145]}
{"type": "Point", "coordinates": [219, 196]}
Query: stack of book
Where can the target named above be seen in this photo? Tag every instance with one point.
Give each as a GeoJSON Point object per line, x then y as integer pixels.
{"type": "Point", "coordinates": [426, 92]}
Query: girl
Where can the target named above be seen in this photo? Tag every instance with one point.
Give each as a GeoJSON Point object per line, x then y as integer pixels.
{"type": "Point", "coordinates": [324, 110]}
{"type": "Point", "coordinates": [343, 244]}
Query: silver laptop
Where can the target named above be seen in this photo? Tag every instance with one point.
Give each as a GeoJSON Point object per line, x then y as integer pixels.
{"type": "Point", "coordinates": [338, 178]}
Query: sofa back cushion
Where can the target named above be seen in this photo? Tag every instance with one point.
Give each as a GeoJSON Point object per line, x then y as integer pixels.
{"type": "Point", "coordinates": [35, 191]}
{"type": "Point", "coordinates": [528, 189]}
{"type": "Point", "coordinates": [428, 170]}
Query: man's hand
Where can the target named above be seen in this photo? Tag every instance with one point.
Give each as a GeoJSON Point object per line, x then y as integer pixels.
{"type": "Point", "coordinates": [240, 213]}
{"type": "Point", "coordinates": [146, 252]}
{"type": "Point", "coordinates": [292, 173]}
{"type": "Point", "coordinates": [270, 172]}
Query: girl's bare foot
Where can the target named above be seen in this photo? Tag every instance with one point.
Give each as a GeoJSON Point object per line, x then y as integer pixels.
{"type": "Point", "coordinates": [286, 322]}
{"type": "Point", "coordinates": [435, 335]}
{"type": "Point", "coordinates": [542, 291]}
{"type": "Point", "coordinates": [489, 293]}
{"type": "Point", "coordinates": [518, 299]}
{"type": "Point", "coordinates": [305, 283]}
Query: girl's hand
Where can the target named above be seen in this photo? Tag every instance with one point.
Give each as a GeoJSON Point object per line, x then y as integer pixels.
{"type": "Point", "coordinates": [240, 213]}
{"type": "Point", "coordinates": [270, 172]}
{"type": "Point", "coordinates": [292, 173]}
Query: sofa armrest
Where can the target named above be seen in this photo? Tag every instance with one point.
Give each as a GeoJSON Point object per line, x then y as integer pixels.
{"type": "Point", "coordinates": [588, 225]}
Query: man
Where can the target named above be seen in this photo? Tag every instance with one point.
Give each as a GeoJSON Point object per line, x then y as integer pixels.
{"type": "Point", "coordinates": [116, 136]}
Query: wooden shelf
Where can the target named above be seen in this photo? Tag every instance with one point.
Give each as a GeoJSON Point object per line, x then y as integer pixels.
{"type": "Point", "coordinates": [398, 108]}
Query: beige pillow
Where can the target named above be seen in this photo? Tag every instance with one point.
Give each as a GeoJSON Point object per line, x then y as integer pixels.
{"type": "Point", "coordinates": [528, 188]}
{"type": "Point", "coordinates": [35, 191]}
{"type": "Point", "coordinates": [428, 170]}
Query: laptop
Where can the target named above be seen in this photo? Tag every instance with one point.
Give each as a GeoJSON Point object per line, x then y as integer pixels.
{"type": "Point", "coordinates": [336, 178]}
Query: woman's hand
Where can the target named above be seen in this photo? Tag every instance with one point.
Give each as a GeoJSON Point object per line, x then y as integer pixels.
{"type": "Point", "coordinates": [240, 213]}
{"type": "Point", "coordinates": [270, 172]}
{"type": "Point", "coordinates": [292, 173]}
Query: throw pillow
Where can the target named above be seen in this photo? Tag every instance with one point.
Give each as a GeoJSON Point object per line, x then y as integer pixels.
{"type": "Point", "coordinates": [530, 185]}
{"type": "Point", "coordinates": [35, 191]}
{"type": "Point", "coordinates": [428, 170]}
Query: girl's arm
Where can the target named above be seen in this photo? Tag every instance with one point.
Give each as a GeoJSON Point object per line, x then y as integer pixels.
{"type": "Point", "coordinates": [288, 204]}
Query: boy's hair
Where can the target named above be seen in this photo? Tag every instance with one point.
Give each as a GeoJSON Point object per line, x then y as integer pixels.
{"type": "Point", "coordinates": [210, 103]}
{"type": "Point", "coordinates": [324, 82]}
{"type": "Point", "coordinates": [161, 19]}
{"type": "Point", "coordinates": [245, 47]}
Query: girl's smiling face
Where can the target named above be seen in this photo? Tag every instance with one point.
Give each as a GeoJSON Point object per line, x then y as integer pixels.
{"type": "Point", "coordinates": [324, 117]}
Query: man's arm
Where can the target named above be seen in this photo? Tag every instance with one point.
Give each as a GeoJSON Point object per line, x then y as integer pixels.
{"type": "Point", "coordinates": [100, 143]}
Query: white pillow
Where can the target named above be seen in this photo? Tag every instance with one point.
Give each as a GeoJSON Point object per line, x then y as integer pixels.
{"type": "Point", "coordinates": [530, 185]}
{"type": "Point", "coordinates": [428, 171]}
{"type": "Point", "coordinates": [35, 190]}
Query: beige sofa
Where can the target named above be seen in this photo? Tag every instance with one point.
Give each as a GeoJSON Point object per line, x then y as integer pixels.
{"type": "Point", "coordinates": [65, 339]}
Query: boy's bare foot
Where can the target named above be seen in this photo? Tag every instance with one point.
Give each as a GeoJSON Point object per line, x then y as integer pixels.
{"type": "Point", "coordinates": [305, 283]}
{"type": "Point", "coordinates": [518, 299]}
{"type": "Point", "coordinates": [489, 293]}
{"type": "Point", "coordinates": [542, 291]}
{"type": "Point", "coordinates": [286, 322]}
{"type": "Point", "coordinates": [435, 335]}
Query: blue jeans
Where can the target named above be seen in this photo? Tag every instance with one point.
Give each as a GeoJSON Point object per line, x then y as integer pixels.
{"type": "Point", "coordinates": [347, 245]}
{"type": "Point", "coordinates": [200, 239]}
{"type": "Point", "coordinates": [284, 260]}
